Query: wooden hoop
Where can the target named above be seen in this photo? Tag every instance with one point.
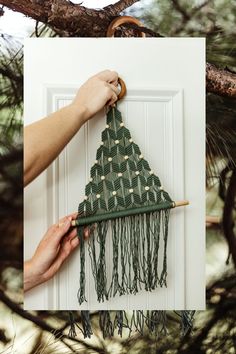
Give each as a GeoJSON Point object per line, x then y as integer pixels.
{"type": "Point", "coordinates": [122, 88]}
{"type": "Point", "coordinates": [120, 21]}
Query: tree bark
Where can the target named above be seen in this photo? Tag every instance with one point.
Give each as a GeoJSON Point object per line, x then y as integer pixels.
{"type": "Point", "coordinates": [219, 81]}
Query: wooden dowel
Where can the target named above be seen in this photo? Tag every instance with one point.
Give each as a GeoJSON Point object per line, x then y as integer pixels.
{"type": "Point", "coordinates": [210, 219]}
{"type": "Point", "coordinates": [181, 203]}
{"type": "Point", "coordinates": [177, 204]}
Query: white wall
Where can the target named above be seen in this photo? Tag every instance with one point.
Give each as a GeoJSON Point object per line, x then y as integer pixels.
{"type": "Point", "coordinates": [165, 112]}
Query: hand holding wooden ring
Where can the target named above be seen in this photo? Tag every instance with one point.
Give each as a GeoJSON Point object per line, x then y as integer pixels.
{"type": "Point", "coordinates": [122, 20]}
{"type": "Point", "coordinates": [122, 89]}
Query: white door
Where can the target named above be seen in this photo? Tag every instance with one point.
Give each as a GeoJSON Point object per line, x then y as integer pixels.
{"type": "Point", "coordinates": [165, 112]}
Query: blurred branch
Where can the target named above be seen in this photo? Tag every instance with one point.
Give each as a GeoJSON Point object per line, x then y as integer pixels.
{"type": "Point", "coordinates": [181, 10]}
{"type": "Point", "coordinates": [228, 221]}
{"type": "Point", "coordinates": [196, 342]}
{"type": "Point", "coordinates": [57, 332]}
{"type": "Point", "coordinates": [186, 16]}
{"type": "Point", "coordinates": [221, 286]}
{"type": "Point", "coordinates": [10, 75]}
{"type": "Point", "coordinates": [223, 184]}
{"type": "Point", "coordinates": [11, 200]}
{"type": "Point", "coordinates": [221, 296]}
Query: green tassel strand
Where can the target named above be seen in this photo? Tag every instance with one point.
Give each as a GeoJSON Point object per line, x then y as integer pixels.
{"type": "Point", "coordinates": [81, 292]}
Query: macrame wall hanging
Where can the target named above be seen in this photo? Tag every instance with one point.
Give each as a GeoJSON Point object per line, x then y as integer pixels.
{"type": "Point", "coordinates": [124, 200]}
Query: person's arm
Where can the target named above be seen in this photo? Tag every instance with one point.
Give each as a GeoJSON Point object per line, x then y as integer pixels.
{"type": "Point", "coordinates": [45, 139]}
{"type": "Point", "coordinates": [57, 244]}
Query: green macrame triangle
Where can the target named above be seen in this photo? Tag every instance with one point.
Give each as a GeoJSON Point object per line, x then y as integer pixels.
{"type": "Point", "coordinates": [125, 198]}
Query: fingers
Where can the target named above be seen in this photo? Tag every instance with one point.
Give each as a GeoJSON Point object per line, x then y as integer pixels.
{"type": "Point", "coordinates": [67, 246]}
{"type": "Point", "coordinates": [112, 94]}
{"type": "Point", "coordinates": [112, 100]}
{"type": "Point", "coordinates": [73, 215]}
{"type": "Point", "coordinates": [71, 234]}
{"type": "Point", "coordinates": [115, 89]}
{"type": "Point", "coordinates": [74, 243]}
{"type": "Point", "coordinates": [108, 76]}
{"type": "Point", "coordinates": [69, 243]}
{"type": "Point", "coordinates": [57, 232]}
{"type": "Point", "coordinates": [62, 228]}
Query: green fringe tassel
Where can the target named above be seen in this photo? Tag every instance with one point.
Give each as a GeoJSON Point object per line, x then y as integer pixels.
{"type": "Point", "coordinates": [135, 245]}
{"type": "Point", "coordinates": [156, 322]}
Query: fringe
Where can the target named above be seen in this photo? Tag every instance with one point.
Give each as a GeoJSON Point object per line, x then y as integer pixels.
{"type": "Point", "coordinates": [136, 244]}
{"type": "Point", "coordinates": [186, 321]}
{"type": "Point", "coordinates": [154, 322]}
{"type": "Point", "coordinates": [85, 327]}
{"type": "Point", "coordinates": [81, 292]}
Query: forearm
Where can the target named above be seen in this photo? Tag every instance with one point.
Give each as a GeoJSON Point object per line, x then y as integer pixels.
{"type": "Point", "coordinates": [30, 278]}
{"type": "Point", "coordinates": [45, 139]}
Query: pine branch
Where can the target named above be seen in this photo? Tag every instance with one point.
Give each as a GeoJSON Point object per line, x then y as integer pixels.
{"type": "Point", "coordinates": [72, 19]}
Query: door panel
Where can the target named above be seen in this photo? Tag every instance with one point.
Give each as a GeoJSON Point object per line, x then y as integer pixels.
{"type": "Point", "coordinates": [164, 111]}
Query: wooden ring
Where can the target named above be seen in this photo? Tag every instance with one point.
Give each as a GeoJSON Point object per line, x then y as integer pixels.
{"type": "Point", "coordinates": [122, 88]}
{"type": "Point", "coordinates": [120, 21]}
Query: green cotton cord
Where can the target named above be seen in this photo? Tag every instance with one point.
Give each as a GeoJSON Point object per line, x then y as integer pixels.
{"type": "Point", "coordinates": [123, 257]}
{"type": "Point", "coordinates": [122, 213]}
{"type": "Point", "coordinates": [81, 292]}
{"type": "Point", "coordinates": [165, 220]}
{"type": "Point", "coordinates": [92, 254]}
{"type": "Point", "coordinates": [135, 248]}
{"type": "Point", "coordinates": [98, 262]}
{"type": "Point", "coordinates": [72, 331]}
{"type": "Point", "coordinates": [106, 323]}
{"type": "Point", "coordinates": [101, 264]}
{"type": "Point", "coordinates": [149, 259]}
{"type": "Point", "coordinates": [86, 324]}
{"type": "Point", "coordinates": [156, 244]}
{"type": "Point", "coordinates": [114, 288]}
